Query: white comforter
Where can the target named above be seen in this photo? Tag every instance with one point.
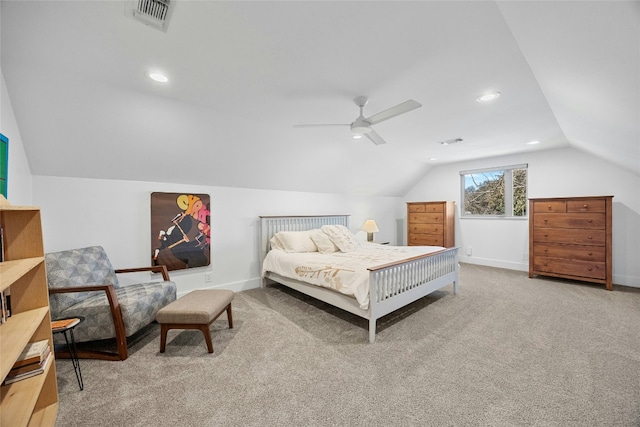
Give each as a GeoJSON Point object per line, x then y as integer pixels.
{"type": "Point", "coordinates": [344, 272]}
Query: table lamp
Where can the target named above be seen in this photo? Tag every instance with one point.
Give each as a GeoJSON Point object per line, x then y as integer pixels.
{"type": "Point", "coordinates": [370, 227]}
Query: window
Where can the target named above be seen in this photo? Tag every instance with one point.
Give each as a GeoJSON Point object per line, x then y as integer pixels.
{"type": "Point", "coordinates": [495, 192]}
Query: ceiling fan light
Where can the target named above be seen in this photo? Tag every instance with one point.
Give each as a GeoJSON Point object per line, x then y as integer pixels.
{"type": "Point", "coordinates": [360, 130]}
{"type": "Point", "coordinates": [360, 127]}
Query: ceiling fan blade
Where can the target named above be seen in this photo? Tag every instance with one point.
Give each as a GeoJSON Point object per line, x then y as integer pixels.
{"type": "Point", "coordinates": [375, 138]}
{"type": "Point", "coordinates": [321, 125]}
{"type": "Point", "coordinates": [405, 107]}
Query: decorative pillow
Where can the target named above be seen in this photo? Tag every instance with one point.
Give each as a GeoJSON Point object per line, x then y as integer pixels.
{"type": "Point", "coordinates": [297, 241]}
{"type": "Point", "coordinates": [276, 243]}
{"type": "Point", "coordinates": [342, 237]}
{"type": "Point", "coordinates": [323, 242]}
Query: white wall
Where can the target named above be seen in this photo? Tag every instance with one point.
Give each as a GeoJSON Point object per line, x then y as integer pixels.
{"type": "Point", "coordinates": [552, 173]}
{"type": "Point", "coordinates": [19, 174]}
{"type": "Point", "coordinates": [116, 215]}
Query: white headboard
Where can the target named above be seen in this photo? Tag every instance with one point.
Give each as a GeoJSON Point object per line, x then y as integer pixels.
{"type": "Point", "coordinates": [270, 225]}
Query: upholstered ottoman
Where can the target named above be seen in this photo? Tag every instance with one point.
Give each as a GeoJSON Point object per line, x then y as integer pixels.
{"type": "Point", "coordinates": [196, 310]}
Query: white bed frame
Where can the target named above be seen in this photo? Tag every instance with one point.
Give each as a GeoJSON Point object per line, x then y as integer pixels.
{"type": "Point", "coordinates": [392, 285]}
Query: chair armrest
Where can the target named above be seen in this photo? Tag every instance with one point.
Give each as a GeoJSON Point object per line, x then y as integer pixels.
{"type": "Point", "coordinates": [155, 268]}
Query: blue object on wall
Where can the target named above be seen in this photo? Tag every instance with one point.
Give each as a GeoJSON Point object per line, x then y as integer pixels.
{"type": "Point", "coordinates": [4, 164]}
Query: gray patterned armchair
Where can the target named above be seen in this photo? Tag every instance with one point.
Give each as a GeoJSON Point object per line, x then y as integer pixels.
{"type": "Point", "coordinates": [82, 282]}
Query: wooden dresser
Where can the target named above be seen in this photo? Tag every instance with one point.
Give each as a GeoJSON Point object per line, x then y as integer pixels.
{"type": "Point", "coordinates": [430, 224]}
{"type": "Point", "coordinates": [570, 237]}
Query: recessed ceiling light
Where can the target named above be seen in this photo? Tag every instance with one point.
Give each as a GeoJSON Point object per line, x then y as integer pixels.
{"type": "Point", "coordinates": [158, 77]}
{"type": "Point", "coordinates": [488, 97]}
{"type": "Point", "coordinates": [533, 142]}
{"type": "Point", "coordinates": [433, 159]}
{"type": "Point", "coordinates": [357, 137]}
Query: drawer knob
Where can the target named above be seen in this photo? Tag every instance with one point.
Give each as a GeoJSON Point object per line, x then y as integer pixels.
{"type": "Point", "coordinates": [585, 206]}
{"type": "Point", "coordinates": [590, 268]}
{"type": "Point", "coordinates": [590, 221]}
{"type": "Point", "coordinates": [546, 250]}
{"type": "Point", "coordinates": [546, 235]}
{"type": "Point", "coordinates": [590, 253]}
{"type": "Point", "coordinates": [590, 237]}
{"type": "Point", "coordinates": [545, 220]}
{"type": "Point", "coordinates": [549, 207]}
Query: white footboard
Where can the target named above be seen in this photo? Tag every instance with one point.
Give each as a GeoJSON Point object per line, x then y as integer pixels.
{"type": "Point", "coordinates": [397, 284]}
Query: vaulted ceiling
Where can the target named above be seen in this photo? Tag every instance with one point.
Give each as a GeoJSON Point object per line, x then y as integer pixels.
{"type": "Point", "coordinates": [241, 74]}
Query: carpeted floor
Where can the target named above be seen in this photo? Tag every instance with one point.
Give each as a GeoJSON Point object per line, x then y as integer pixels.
{"type": "Point", "coordinates": [506, 351]}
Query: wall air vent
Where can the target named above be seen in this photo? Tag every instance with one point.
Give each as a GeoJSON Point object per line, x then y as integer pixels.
{"type": "Point", "coordinates": [450, 141]}
{"type": "Point", "coordinates": [154, 13]}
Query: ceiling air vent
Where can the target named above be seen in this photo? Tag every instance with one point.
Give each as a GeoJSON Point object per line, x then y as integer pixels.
{"type": "Point", "coordinates": [154, 13]}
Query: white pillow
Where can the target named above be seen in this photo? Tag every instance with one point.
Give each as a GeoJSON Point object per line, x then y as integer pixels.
{"type": "Point", "coordinates": [297, 241]}
{"type": "Point", "coordinates": [342, 237]}
{"type": "Point", "coordinates": [276, 243]}
{"type": "Point", "coordinates": [323, 242]}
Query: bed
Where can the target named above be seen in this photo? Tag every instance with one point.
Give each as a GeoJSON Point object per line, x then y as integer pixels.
{"type": "Point", "coordinates": [389, 286]}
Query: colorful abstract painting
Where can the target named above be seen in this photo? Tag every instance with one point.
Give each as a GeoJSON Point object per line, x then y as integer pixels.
{"type": "Point", "coordinates": [180, 230]}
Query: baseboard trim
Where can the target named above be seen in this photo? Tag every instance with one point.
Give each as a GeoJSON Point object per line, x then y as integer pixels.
{"type": "Point", "coordinates": [618, 279]}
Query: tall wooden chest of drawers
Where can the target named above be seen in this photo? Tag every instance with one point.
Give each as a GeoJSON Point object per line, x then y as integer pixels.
{"type": "Point", "coordinates": [571, 238]}
{"type": "Point", "coordinates": [430, 224]}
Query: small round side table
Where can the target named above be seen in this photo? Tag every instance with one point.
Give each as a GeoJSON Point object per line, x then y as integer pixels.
{"type": "Point", "coordinates": [67, 331]}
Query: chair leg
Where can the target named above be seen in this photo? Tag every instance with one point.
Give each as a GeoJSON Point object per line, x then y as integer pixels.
{"type": "Point", "coordinates": [230, 316]}
{"type": "Point", "coordinates": [207, 337]}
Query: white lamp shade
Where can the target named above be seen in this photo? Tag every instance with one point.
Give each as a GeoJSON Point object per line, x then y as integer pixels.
{"type": "Point", "coordinates": [370, 226]}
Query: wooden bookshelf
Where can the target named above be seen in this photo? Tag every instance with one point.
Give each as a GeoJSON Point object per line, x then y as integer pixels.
{"type": "Point", "coordinates": [33, 401]}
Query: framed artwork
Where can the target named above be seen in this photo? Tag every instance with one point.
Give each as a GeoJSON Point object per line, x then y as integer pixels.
{"type": "Point", "coordinates": [180, 230]}
{"type": "Point", "coordinates": [4, 164]}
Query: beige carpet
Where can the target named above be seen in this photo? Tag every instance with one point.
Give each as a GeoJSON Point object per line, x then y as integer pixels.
{"type": "Point", "coordinates": [506, 351]}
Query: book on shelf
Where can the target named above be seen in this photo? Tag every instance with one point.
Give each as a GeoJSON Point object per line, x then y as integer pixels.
{"type": "Point", "coordinates": [1, 244]}
{"type": "Point", "coordinates": [3, 308]}
{"type": "Point", "coordinates": [15, 371]}
{"type": "Point", "coordinates": [64, 323]}
{"type": "Point", "coordinates": [34, 352]}
{"type": "Point", "coordinates": [37, 370]}
{"type": "Point", "coordinates": [5, 305]}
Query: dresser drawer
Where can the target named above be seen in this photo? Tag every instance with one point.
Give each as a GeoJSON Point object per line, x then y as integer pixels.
{"type": "Point", "coordinates": [597, 205]}
{"type": "Point", "coordinates": [426, 218]}
{"type": "Point", "coordinates": [426, 229]}
{"type": "Point", "coordinates": [570, 236]}
{"type": "Point", "coordinates": [571, 220]}
{"type": "Point", "coordinates": [587, 269]}
{"type": "Point", "coordinates": [434, 207]}
{"type": "Point", "coordinates": [425, 240]}
{"type": "Point", "coordinates": [583, 253]}
{"type": "Point", "coordinates": [556, 206]}
{"type": "Point", "coordinates": [416, 208]}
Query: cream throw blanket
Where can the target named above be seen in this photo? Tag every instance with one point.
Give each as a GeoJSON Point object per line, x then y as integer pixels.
{"type": "Point", "coordinates": [345, 272]}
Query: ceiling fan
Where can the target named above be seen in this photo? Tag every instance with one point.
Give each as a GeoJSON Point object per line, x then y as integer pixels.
{"type": "Point", "coordinates": [362, 125]}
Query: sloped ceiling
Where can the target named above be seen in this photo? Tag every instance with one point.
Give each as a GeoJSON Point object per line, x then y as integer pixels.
{"type": "Point", "coordinates": [243, 73]}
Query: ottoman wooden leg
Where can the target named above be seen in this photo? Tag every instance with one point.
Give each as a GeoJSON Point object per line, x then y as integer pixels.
{"type": "Point", "coordinates": [163, 336]}
{"type": "Point", "coordinates": [207, 337]}
{"type": "Point", "coordinates": [230, 316]}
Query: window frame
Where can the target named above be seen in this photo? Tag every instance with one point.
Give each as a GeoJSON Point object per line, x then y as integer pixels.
{"type": "Point", "coordinates": [508, 192]}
